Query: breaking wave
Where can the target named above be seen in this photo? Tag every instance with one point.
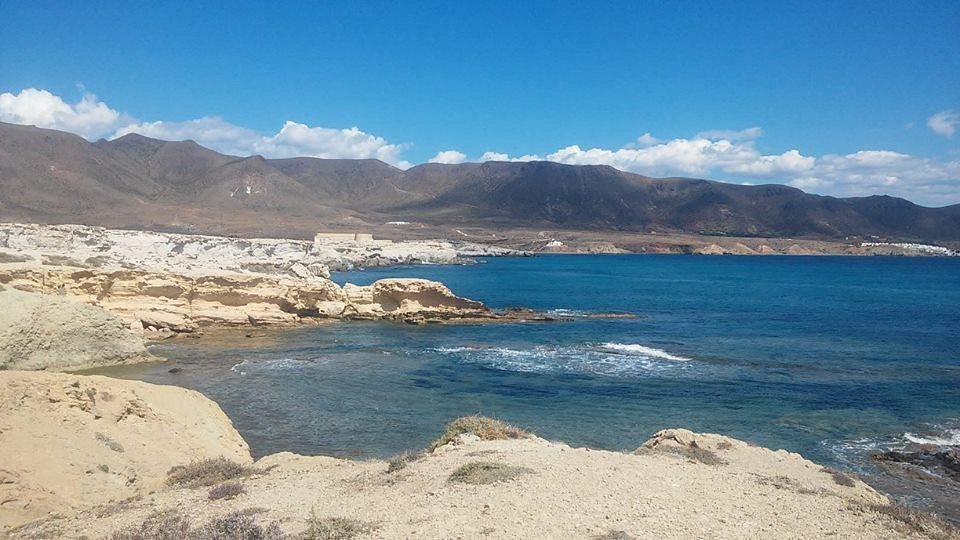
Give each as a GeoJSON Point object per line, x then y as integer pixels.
{"type": "Point", "coordinates": [607, 359]}
{"type": "Point", "coordinates": [650, 352]}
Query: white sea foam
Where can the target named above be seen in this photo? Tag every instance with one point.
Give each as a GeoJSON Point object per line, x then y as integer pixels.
{"type": "Point", "coordinates": [950, 437]}
{"type": "Point", "coordinates": [281, 363]}
{"type": "Point", "coordinates": [592, 359]}
{"type": "Point", "coordinates": [643, 350]}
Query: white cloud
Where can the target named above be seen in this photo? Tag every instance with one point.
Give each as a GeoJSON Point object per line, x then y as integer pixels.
{"type": "Point", "coordinates": [209, 131]}
{"type": "Point", "coordinates": [748, 134]}
{"type": "Point", "coordinates": [89, 117]}
{"type": "Point", "coordinates": [451, 157]}
{"type": "Point", "coordinates": [944, 123]}
{"type": "Point", "coordinates": [696, 157]}
{"type": "Point", "coordinates": [647, 140]}
{"type": "Point", "coordinates": [293, 140]}
{"type": "Point", "coordinates": [500, 156]}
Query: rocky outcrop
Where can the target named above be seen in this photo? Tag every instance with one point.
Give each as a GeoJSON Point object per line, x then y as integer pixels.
{"type": "Point", "coordinates": [71, 441]}
{"type": "Point", "coordinates": [409, 299]}
{"type": "Point", "coordinates": [185, 303]}
{"type": "Point", "coordinates": [96, 247]}
{"type": "Point", "coordinates": [56, 333]}
{"type": "Point", "coordinates": [484, 485]}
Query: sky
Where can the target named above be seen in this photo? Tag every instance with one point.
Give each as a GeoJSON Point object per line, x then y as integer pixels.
{"type": "Point", "coordinates": [839, 98]}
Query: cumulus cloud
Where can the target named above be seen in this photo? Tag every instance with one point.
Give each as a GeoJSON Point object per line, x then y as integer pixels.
{"type": "Point", "coordinates": [697, 157]}
{"type": "Point", "coordinates": [90, 118]}
{"type": "Point", "coordinates": [647, 140]}
{"type": "Point", "coordinates": [293, 140]}
{"type": "Point", "coordinates": [500, 156]}
{"type": "Point", "coordinates": [748, 134]}
{"type": "Point", "coordinates": [209, 131]}
{"type": "Point", "coordinates": [944, 123]}
{"type": "Point", "coordinates": [450, 157]}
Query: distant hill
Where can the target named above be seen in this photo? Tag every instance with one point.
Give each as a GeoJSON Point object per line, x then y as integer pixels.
{"type": "Point", "coordinates": [52, 176]}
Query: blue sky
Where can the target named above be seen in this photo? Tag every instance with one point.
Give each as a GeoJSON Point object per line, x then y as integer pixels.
{"type": "Point", "coordinates": [850, 98]}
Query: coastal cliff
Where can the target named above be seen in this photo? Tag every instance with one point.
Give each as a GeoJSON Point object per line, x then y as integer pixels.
{"type": "Point", "coordinates": [159, 282]}
{"type": "Point", "coordinates": [114, 473]}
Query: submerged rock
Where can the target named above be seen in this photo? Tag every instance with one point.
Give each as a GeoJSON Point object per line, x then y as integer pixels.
{"type": "Point", "coordinates": [943, 462]}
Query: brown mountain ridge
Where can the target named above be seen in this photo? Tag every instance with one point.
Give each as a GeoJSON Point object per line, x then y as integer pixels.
{"type": "Point", "coordinates": [134, 181]}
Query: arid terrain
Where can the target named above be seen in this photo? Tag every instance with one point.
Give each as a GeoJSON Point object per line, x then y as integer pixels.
{"type": "Point", "coordinates": [135, 460]}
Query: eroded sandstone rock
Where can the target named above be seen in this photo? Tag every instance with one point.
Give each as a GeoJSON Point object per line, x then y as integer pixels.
{"type": "Point", "coordinates": [57, 333]}
{"type": "Point", "coordinates": [72, 441]}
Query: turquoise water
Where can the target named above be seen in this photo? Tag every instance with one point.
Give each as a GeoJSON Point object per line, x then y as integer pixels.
{"type": "Point", "coordinates": [832, 357]}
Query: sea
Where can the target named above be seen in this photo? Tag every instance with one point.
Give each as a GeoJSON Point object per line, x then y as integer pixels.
{"type": "Point", "coordinates": [835, 358]}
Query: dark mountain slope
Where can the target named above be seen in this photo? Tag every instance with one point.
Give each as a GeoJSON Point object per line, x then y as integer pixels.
{"type": "Point", "coordinates": [600, 197]}
{"type": "Point", "coordinates": [47, 173]}
{"type": "Point", "coordinates": [351, 183]}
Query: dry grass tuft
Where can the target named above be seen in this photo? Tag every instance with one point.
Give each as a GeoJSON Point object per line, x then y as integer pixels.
{"type": "Point", "coordinates": [226, 490]}
{"type": "Point", "coordinates": [207, 472]}
{"type": "Point", "coordinates": [335, 528]}
{"type": "Point", "coordinates": [841, 478]}
{"type": "Point", "coordinates": [724, 445]}
{"type": "Point", "coordinates": [170, 524]}
{"type": "Point", "coordinates": [400, 461]}
{"type": "Point", "coordinates": [173, 524]}
{"type": "Point", "coordinates": [910, 520]}
{"type": "Point", "coordinates": [488, 429]}
{"type": "Point", "coordinates": [237, 526]}
{"type": "Point", "coordinates": [486, 472]}
{"type": "Point", "coordinates": [693, 452]}
{"type": "Point", "coordinates": [614, 535]}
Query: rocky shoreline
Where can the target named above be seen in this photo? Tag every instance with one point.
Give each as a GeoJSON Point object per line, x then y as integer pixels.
{"type": "Point", "coordinates": [135, 460]}
{"type": "Point", "coordinates": [161, 283]}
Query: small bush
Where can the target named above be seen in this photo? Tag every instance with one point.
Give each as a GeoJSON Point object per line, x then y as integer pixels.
{"type": "Point", "coordinates": [334, 528]}
{"type": "Point", "coordinates": [917, 521]}
{"type": "Point", "coordinates": [487, 429]}
{"type": "Point", "coordinates": [226, 490]}
{"type": "Point", "coordinates": [486, 472]}
{"type": "Point", "coordinates": [400, 461]}
{"type": "Point", "coordinates": [724, 445]}
{"type": "Point", "coordinates": [159, 525]}
{"type": "Point", "coordinates": [103, 467]}
{"type": "Point", "coordinates": [174, 525]}
{"type": "Point", "coordinates": [693, 452]}
{"type": "Point", "coordinates": [110, 443]}
{"type": "Point", "coordinates": [207, 472]}
{"type": "Point", "coordinates": [237, 526]}
{"type": "Point", "coordinates": [842, 479]}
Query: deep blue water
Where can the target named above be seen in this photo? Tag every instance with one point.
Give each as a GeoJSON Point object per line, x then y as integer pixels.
{"type": "Point", "coordinates": [831, 357]}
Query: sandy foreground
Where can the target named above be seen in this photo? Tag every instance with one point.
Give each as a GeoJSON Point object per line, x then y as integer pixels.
{"type": "Point", "coordinates": [62, 466]}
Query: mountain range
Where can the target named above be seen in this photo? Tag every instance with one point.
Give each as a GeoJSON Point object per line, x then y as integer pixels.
{"type": "Point", "coordinates": [134, 181]}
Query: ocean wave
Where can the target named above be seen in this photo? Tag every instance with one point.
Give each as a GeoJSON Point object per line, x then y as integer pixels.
{"type": "Point", "coordinates": [644, 350]}
{"type": "Point", "coordinates": [949, 437]}
{"type": "Point", "coordinates": [588, 359]}
{"type": "Point", "coordinates": [853, 450]}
